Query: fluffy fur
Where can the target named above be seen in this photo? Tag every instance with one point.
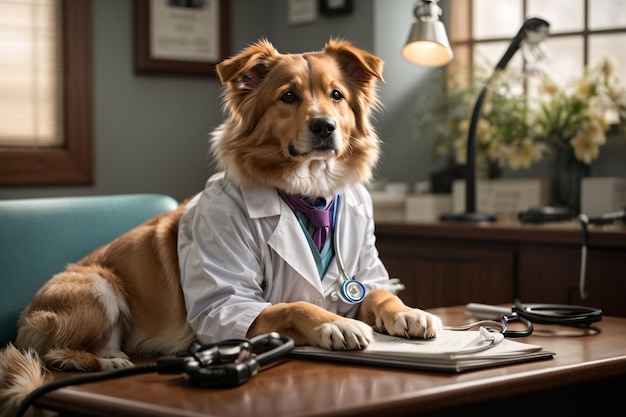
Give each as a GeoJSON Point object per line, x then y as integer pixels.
{"type": "Point", "coordinates": [297, 122]}
{"type": "Point", "coordinates": [260, 139]}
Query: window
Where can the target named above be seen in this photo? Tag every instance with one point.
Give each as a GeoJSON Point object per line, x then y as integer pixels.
{"type": "Point", "coordinates": [582, 32]}
{"type": "Point", "coordinates": [46, 134]}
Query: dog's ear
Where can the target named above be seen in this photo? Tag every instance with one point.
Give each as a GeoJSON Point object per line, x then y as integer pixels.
{"type": "Point", "coordinates": [359, 65]}
{"type": "Point", "coordinates": [249, 67]}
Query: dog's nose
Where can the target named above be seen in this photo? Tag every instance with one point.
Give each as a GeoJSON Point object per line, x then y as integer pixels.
{"type": "Point", "coordinates": [322, 126]}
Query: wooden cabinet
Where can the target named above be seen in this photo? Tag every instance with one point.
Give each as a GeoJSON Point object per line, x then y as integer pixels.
{"type": "Point", "coordinates": [444, 264]}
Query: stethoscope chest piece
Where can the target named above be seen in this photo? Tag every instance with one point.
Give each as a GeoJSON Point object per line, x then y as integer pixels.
{"type": "Point", "coordinates": [352, 291]}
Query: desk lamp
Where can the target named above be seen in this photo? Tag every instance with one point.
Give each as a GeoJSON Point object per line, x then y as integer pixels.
{"type": "Point", "coordinates": [428, 42]}
{"type": "Point", "coordinates": [529, 38]}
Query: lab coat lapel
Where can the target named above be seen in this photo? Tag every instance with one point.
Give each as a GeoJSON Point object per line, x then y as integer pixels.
{"type": "Point", "coordinates": [287, 240]}
{"type": "Point", "coordinates": [290, 243]}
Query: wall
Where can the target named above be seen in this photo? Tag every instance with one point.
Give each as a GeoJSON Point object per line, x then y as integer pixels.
{"type": "Point", "coordinates": [407, 154]}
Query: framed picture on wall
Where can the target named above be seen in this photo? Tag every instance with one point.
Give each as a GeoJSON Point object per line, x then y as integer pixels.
{"type": "Point", "coordinates": [181, 37]}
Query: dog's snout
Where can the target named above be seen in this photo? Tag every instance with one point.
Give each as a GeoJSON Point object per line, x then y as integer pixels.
{"type": "Point", "coordinates": [323, 126]}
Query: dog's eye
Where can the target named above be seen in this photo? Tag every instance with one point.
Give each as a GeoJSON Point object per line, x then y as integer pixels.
{"type": "Point", "coordinates": [336, 95]}
{"type": "Point", "coordinates": [288, 97]}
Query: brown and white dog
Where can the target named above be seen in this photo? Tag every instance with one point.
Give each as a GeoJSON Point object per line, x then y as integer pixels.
{"type": "Point", "coordinates": [297, 123]}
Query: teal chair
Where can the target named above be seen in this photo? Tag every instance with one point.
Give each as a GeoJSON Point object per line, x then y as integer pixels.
{"type": "Point", "coordinates": [39, 236]}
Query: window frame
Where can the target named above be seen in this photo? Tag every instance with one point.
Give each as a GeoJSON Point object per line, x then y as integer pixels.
{"type": "Point", "coordinates": [72, 163]}
{"type": "Point", "coordinates": [460, 19]}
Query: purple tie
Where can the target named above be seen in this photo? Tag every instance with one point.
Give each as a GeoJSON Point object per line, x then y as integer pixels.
{"type": "Point", "coordinates": [318, 218]}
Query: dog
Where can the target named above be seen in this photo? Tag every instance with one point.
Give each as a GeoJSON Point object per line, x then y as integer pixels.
{"type": "Point", "coordinates": [235, 260]}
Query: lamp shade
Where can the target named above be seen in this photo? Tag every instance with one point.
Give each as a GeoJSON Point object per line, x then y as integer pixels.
{"type": "Point", "coordinates": [428, 44]}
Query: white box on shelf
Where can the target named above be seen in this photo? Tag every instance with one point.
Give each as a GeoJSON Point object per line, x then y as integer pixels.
{"type": "Point", "coordinates": [602, 195]}
{"type": "Point", "coordinates": [388, 206]}
{"type": "Point", "coordinates": [504, 197]}
{"type": "Point", "coordinates": [427, 207]}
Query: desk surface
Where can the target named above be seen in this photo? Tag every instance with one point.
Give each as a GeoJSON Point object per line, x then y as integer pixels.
{"type": "Point", "coordinates": [310, 388]}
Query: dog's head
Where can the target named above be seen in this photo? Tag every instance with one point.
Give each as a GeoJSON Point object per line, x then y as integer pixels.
{"type": "Point", "coordinates": [299, 122]}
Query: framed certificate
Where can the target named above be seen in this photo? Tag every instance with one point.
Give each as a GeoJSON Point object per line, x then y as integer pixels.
{"type": "Point", "coordinates": [184, 37]}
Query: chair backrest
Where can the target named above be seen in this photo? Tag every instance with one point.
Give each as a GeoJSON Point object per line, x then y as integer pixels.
{"type": "Point", "coordinates": [38, 237]}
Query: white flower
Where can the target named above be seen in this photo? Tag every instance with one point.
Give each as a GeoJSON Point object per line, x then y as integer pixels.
{"type": "Point", "coordinates": [608, 66]}
{"type": "Point", "coordinates": [548, 86]}
{"type": "Point", "coordinates": [516, 129]}
{"type": "Point", "coordinates": [483, 131]}
{"type": "Point", "coordinates": [524, 155]}
{"type": "Point", "coordinates": [584, 89]}
{"type": "Point", "coordinates": [587, 142]}
{"type": "Point", "coordinates": [579, 118]}
{"type": "Point", "coordinates": [584, 149]}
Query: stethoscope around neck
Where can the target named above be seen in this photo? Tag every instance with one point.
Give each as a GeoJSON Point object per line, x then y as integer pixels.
{"type": "Point", "coordinates": [351, 291]}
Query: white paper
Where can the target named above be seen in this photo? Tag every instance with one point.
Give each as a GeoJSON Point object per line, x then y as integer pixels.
{"type": "Point", "coordinates": [451, 351]}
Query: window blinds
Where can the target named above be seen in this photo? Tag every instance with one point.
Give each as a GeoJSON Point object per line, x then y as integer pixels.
{"type": "Point", "coordinates": [30, 74]}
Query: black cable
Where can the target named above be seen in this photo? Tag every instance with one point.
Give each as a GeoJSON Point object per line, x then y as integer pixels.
{"type": "Point", "coordinates": [83, 379]}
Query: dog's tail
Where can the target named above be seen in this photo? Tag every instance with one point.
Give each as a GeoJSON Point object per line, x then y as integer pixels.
{"type": "Point", "coordinates": [21, 372]}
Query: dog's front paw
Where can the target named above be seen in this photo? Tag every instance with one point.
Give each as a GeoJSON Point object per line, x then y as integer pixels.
{"type": "Point", "coordinates": [345, 334]}
{"type": "Point", "coordinates": [415, 323]}
{"type": "Point", "coordinates": [108, 364]}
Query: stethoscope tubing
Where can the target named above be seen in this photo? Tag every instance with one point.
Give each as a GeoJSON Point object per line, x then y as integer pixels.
{"type": "Point", "coordinates": [338, 257]}
{"type": "Point", "coordinates": [554, 314]}
{"type": "Point", "coordinates": [562, 314]}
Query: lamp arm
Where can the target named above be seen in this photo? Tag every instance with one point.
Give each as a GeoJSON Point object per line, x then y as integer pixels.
{"type": "Point", "coordinates": [470, 213]}
{"type": "Point", "coordinates": [511, 50]}
{"type": "Point", "coordinates": [533, 25]}
{"type": "Point", "coordinates": [470, 176]}
{"type": "Point", "coordinates": [470, 160]}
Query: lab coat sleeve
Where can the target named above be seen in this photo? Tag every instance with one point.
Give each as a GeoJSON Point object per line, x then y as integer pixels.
{"type": "Point", "coordinates": [219, 260]}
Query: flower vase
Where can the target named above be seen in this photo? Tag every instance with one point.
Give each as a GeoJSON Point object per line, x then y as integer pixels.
{"type": "Point", "coordinates": [567, 174]}
{"type": "Point", "coordinates": [494, 170]}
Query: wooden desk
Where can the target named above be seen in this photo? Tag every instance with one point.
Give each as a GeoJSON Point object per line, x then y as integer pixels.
{"type": "Point", "coordinates": [444, 264]}
{"type": "Point", "coordinates": [588, 373]}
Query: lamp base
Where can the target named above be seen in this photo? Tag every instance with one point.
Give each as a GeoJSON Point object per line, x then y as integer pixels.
{"type": "Point", "coordinates": [474, 217]}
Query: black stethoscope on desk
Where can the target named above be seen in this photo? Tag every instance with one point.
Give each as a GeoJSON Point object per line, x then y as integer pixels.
{"type": "Point", "coordinates": [224, 364]}
{"type": "Point", "coordinates": [529, 314]}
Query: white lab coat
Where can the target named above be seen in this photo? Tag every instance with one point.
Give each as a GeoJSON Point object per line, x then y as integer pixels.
{"type": "Point", "coordinates": [242, 249]}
